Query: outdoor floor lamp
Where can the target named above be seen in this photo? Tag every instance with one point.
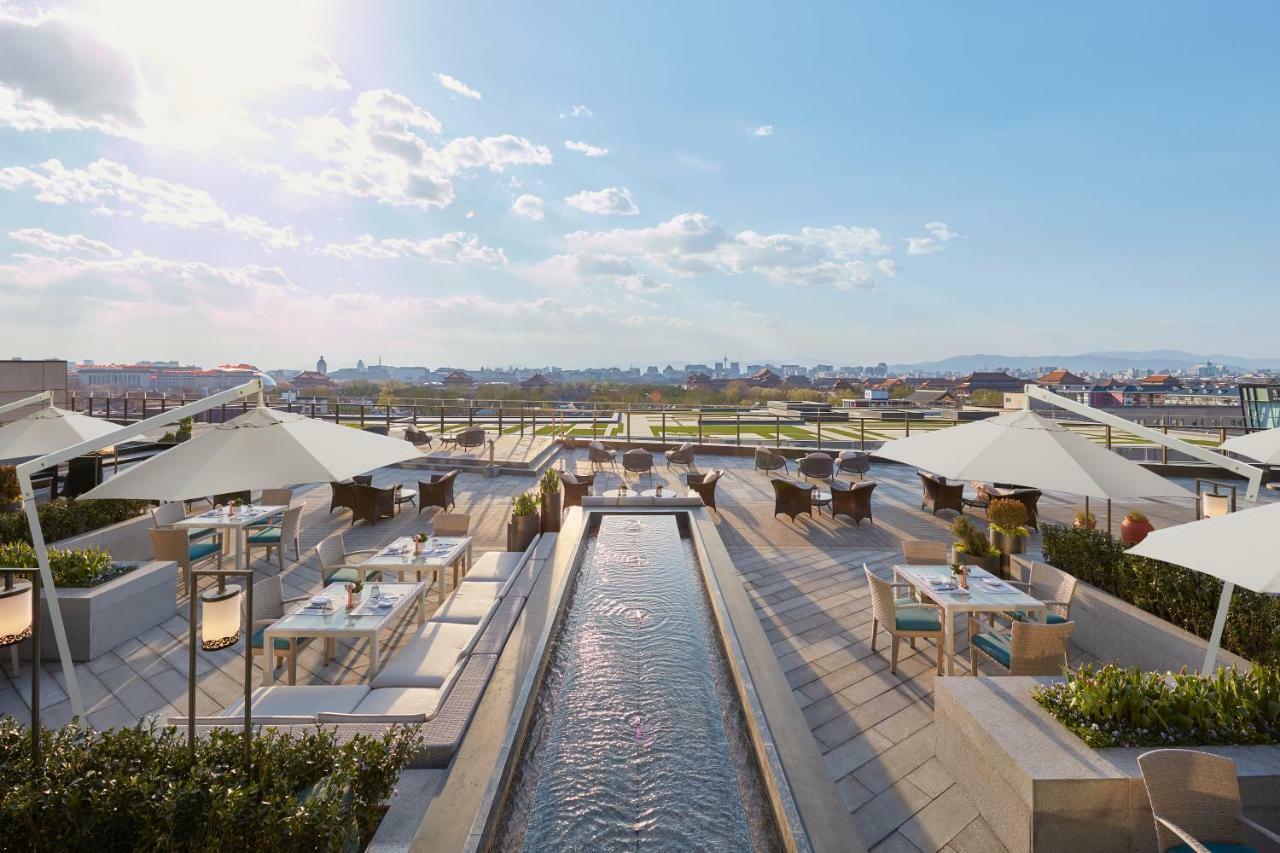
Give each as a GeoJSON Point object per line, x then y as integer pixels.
{"type": "Point", "coordinates": [222, 622]}
{"type": "Point", "coordinates": [20, 619]}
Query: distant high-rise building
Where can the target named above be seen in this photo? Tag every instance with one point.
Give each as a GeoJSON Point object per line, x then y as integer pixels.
{"type": "Point", "coordinates": [360, 365]}
{"type": "Point", "coordinates": [322, 367]}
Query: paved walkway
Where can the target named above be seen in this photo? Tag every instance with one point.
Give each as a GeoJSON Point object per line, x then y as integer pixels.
{"type": "Point", "coordinates": [805, 578]}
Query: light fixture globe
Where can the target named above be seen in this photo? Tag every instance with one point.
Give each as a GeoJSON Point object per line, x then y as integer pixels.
{"type": "Point", "coordinates": [220, 618]}
{"type": "Point", "coordinates": [1214, 505]}
{"type": "Point", "coordinates": [15, 613]}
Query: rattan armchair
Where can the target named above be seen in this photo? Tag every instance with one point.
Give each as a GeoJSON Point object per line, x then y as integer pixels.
{"type": "Point", "coordinates": [925, 552]}
{"type": "Point", "coordinates": [173, 544]}
{"type": "Point", "coordinates": [682, 455]}
{"type": "Point", "coordinates": [853, 462]}
{"type": "Point", "coordinates": [638, 461]}
{"type": "Point", "coordinates": [1059, 591]}
{"type": "Point", "coordinates": [904, 618]}
{"type": "Point", "coordinates": [269, 606]}
{"type": "Point", "coordinates": [1195, 800]}
{"type": "Point", "coordinates": [816, 466]}
{"type": "Point", "coordinates": [275, 537]}
{"type": "Point", "coordinates": [338, 565]}
{"type": "Point", "coordinates": [598, 456]}
{"type": "Point", "coordinates": [1029, 498]}
{"type": "Point", "coordinates": [576, 487]}
{"type": "Point", "coordinates": [792, 499]}
{"type": "Point", "coordinates": [373, 503]}
{"type": "Point", "coordinates": [471, 438]}
{"type": "Point", "coordinates": [705, 486]}
{"type": "Point", "coordinates": [1031, 648]}
{"type": "Point", "coordinates": [417, 437]}
{"type": "Point", "coordinates": [767, 460]}
{"type": "Point", "coordinates": [938, 494]}
{"type": "Point", "coordinates": [853, 500]}
{"type": "Point", "coordinates": [438, 491]}
{"type": "Point", "coordinates": [343, 496]}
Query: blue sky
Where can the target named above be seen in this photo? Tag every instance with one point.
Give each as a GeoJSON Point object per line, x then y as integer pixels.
{"type": "Point", "coordinates": [585, 183]}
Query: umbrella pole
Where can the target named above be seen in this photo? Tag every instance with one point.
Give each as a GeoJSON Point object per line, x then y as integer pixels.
{"type": "Point", "coordinates": [1108, 516]}
{"type": "Point", "coordinates": [1219, 622]}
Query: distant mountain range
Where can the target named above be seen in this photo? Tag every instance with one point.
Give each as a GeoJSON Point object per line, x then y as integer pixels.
{"type": "Point", "coordinates": [1157, 360]}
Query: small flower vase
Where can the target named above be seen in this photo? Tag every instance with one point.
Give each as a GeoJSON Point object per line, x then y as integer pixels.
{"type": "Point", "coordinates": [417, 547]}
{"type": "Point", "coordinates": [658, 491]}
{"type": "Point", "coordinates": [964, 577]}
{"type": "Point", "coordinates": [351, 599]}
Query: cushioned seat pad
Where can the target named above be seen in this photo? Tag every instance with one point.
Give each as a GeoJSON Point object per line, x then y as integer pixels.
{"type": "Point", "coordinates": [199, 550]}
{"type": "Point", "coordinates": [918, 619]}
{"type": "Point", "coordinates": [995, 645]}
{"type": "Point", "coordinates": [470, 604]}
{"type": "Point", "coordinates": [428, 659]}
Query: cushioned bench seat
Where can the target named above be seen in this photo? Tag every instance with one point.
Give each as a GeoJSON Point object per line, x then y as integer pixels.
{"type": "Point", "coordinates": [494, 566]}
{"type": "Point", "coordinates": [391, 705]}
{"type": "Point", "coordinates": [432, 658]}
{"type": "Point", "coordinates": [470, 604]}
{"type": "Point", "coordinates": [281, 705]}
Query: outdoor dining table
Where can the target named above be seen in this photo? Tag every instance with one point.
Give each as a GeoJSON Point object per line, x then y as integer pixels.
{"type": "Point", "coordinates": [366, 619]}
{"type": "Point", "coordinates": [236, 521]}
{"type": "Point", "coordinates": [438, 554]}
{"type": "Point", "coordinates": [986, 594]}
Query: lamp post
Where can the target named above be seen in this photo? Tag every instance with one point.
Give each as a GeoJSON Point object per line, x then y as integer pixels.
{"type": "Point", "coordinates": [1214, 503]}
{"type": "Point", "coordinates": [20, 619]}
{"type": "Point", "coordinates": [221, 629]}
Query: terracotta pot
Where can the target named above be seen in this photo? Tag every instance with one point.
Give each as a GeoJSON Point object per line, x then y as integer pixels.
{"type": "Point", "coordinates": [550, 511]}
{"type": "Point", "coordinates": [1132, 532]}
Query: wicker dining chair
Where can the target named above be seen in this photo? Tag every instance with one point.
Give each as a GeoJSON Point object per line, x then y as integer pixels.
{"type": "Point", "coordinates": [925, 552]}
{"type": "Point", "coordinates": [1059, 593]}
{"type": "Point", "coordinates": [269, 606]}
{"type": "Point", "coordinates": [766, 460]}
{"type": "Point", "coordinates": [173, 544]}
{"type": "Point", "coordinates": [417, 437]}
{"type": "Point", "coordinates": [438, 491]}
{"type": "Point", "coordinates": [274, 538]}
{"type": "Point", "coordinates": [1031, 648]}
{"type": "Point", "coordinates": [338, 565]}
{"type": "Point", "coordinates": [937, 494]}
{"type": "Point", "coordinates": [792, 499]}
{"type": "Point", "coordinates": [169, 514]}
{"type": "Point", "coordinates": [452, 524]}
{"type": "Point", "coordinates": [638, 461]}
{"type": "Point", "coordinates": [705, 486]}
{"type": "Point", "coordinates": [816, 466]}
{"type": "Point", "coordinates": [576, 487]}
{"type": "Point", "coordinates": [682, 455]}
{"type": "Point", "coordinates": [373, 503]}
{"type": "Point", "coordinates": [598, 456]}
{"type": "Point", "coordinates": [853, 500]}
{"type": "Point", "coordinates": [904, 618]}
{"type": "Point", "coordinates": [343, 496]}
{"type": "Point", "coordinates": [853, 462]}
{"type": "Point", "coordinates": [1195, 800]}
{"type": "Point", "coordinates": [469, 439]}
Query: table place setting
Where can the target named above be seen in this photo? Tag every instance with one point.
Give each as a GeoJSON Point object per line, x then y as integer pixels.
{"type": "Point", "coordinates": [996, 586]}
{"type": "Point", "coordinates": [319, 605]}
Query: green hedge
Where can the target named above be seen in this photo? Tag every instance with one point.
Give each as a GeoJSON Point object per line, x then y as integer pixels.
{"type": "Point", "coordinates": [72, 567]}
{"type": "Point", "coordinates": [1111, 706]}
{"type": "Point", "coordinates": [136, 789]}
{"type": "Point", "coordinates": [62, 518]}
{"type": "Point", "coordinates": [1187, 598]}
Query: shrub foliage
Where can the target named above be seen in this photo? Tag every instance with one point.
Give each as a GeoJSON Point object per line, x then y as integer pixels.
{"type": "Point", "coordinates": [1187, 598]}
{"type": "Point", "coordinates": [62, 518]}
{"type": "Point", "coordinates": [72, 567]}
{"type": "Point", "coordinates": [137, 789]}
{"type": "Point", "coordinates": [1111, 706]}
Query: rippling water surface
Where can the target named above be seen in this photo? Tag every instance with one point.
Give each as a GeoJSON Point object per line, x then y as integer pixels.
{"type": "Point", "coordinates": [637, 741]}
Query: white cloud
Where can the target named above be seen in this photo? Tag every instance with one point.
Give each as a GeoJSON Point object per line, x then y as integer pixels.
{"type": "Point", "coordinates": [587, 268]}
{"type": "Point", "coordinates": [610, 201]}
{"type": "Point", "coordinates": [381, 154]}
{"type": "Point", "coordinates": [577, 111]}
{"type": "Point", "coordinates": [108, 187]}
{"type": "Point", "coordinates": [762, 130]}
{"type": "Point", "coordinates": [454, 248]}
{"type": "Point", "coordinates": [939, 234]}
{"type": "Point", "coordinates": [585, 148]}
{"type": "Point", "coordinates": [77, 244]}
{"type": "Point", "coordinates": [693, 161]}
{"type": "Point", "coordinates": [692, 244]}
{"type": "Point", "coordinates": [453, 84]}
{"type": "Point", "coordinates": [529, 206]}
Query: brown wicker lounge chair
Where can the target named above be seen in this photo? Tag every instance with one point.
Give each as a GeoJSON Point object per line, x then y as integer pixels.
{"type": "Point", "coordinates": [576, 487]}
{"type": "Point", "coordinates": [853, 500]}
{"type": "Point", "coordinates": [853, 462]}
{"type": "Point", "coordinates": [598, 456]}
{"type": "Point", "coordinates": [939, 494]}
{"type": "Point", "coordinates": [373, 503]}
{"type": "Point", "coordinates": [792, 499]}
{"type": "Point", "coordinates": [438, 491]}
{"type": "Point", "coordinates": [638, 461]}
{"type": "Point", "coordinates": [766, 460]}
{"type": "Point", "coordinates": [342, 496]}
{"type": "Point", "coordinates": [469, 439]}
{"type": "Point", "coordinates": [415, 436]}
{"type": "Point", "coordinates": [1195, 800]}
{"type": "Point", "coordinates": [682, 455]}
{"type": "Point", "coordinates": [903, 618]}
{"type": "Point", "coordinates": [1029, 498]}
{"type": "Point", "coordinates": [1031, 648]}
{"type": "Point", "coordinates": [816, 466]}
{"type": "Point", "coordinates": [705, 486]}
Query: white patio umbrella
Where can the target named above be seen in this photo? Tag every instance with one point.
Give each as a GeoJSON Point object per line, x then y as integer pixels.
{"type": "Point", "coordinates": [1237, 548]}
{"type": "Point", "coordinates": [263, 448]}
{"type": "Point", "coordinates": [1033, 451]}
{"type": "Point", "coordinates": [48, 430]}
{"type": "Point", "coordinates": [1263, 446]}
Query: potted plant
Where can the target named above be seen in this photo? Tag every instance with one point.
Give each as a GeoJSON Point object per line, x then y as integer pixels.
{"type": "Point", "coordinates": [524, 522]}
{"type": "Point", "coordinates": [970, 548]}
{"type": "Point", "coordinates": [1008, 529]}
{"type": "Point", "coordinates": [549, 493]}
{"type": "Point", "coordinates": [10, 493]}
{"type": "Point", "coordinates": [1134, 528]}
{"type": "Point", "coordinates": [1086, 519]}
{"type": "Point", "coordinates": [185, 425]}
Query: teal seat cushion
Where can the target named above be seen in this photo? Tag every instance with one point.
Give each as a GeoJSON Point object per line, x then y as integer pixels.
{"type": "Point", "coordinates": [1214, 847]}
{"type": "Point", "coordinates": [1053, 619]}
{"type": "Point", "coordinates": [918, 619]}
{"type": "Point", "coordinates": [281, 643]}
{"type": "Point", "coordinates": [200, 550]}
{"type": "Point", "coordinates": [201, 533]}
{"type": "Point", "coordinates": [996, 645]}
{"type": "Point", "coordinates": [269, 536]}
{"type": "Point", "coordinates": [348, 576]}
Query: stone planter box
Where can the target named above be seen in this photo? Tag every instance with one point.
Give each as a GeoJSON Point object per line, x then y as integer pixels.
{"type": "Point", "coordinates": [1115, 631]}
{"type": "Point", "coordinates": [125, 540]}
{"type": "Point", "coordinates": [1040, 788]}
{"type": "Point", "coordinates": [99, 618]}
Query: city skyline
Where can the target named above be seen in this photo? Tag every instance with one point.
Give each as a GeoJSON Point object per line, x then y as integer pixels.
{"type": "Point", "coordinates": [637, 186]}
